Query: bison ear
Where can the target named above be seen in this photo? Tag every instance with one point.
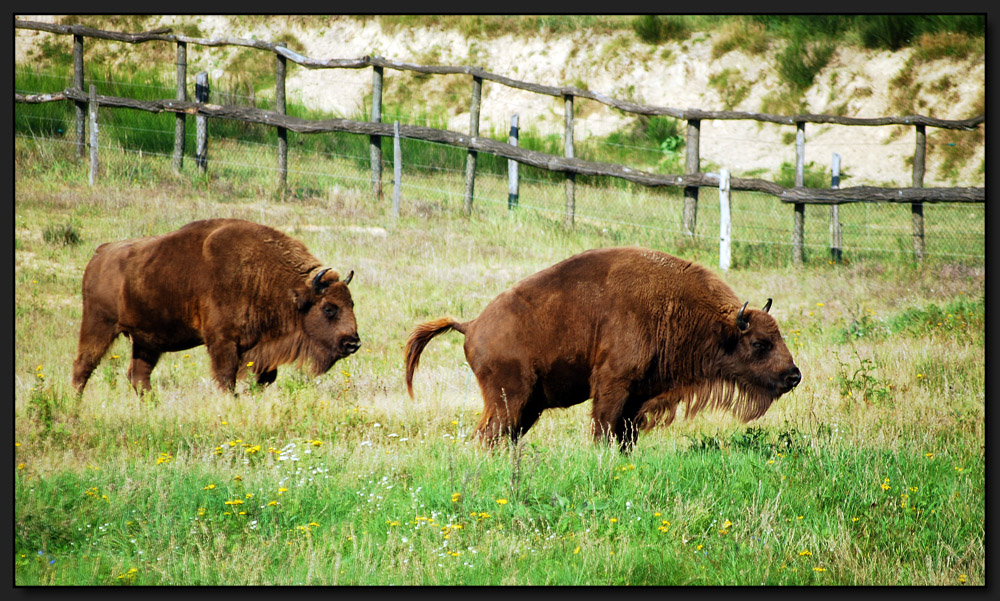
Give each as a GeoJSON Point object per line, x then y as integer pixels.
{"type": "Point", "coordinates": [303, 298]}
{"type": "Point", "coordinates": [729, 339]}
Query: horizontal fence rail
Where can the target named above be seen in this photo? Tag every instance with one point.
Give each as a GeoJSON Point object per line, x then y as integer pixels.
{"type": "Point", "coordinates": [525, 156]}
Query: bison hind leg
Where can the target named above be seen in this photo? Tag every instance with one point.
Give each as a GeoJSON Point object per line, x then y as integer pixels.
{"type": "Point", "coordinates": [507, 413]}
{"type": "Point", "coordinates": [95, 338]}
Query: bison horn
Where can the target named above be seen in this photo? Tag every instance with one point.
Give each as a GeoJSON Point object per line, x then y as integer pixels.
{"type": "Point", "coordinates": [347, 280]}
{"type": "Point", "coordinates": [741, 322]}
{"type": "Point", "coordinates": [316, 286]}
{"type": "Point", "coordinates": [767, 305]}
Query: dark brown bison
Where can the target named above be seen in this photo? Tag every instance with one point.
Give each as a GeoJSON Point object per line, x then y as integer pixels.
{"type": "Point", "coordinates": [636, 330]}
{"type": "Point", "coordinates": [253, 296]}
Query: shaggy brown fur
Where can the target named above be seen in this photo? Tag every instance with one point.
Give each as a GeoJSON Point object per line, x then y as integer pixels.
{"type": "Point", "coordinates": [248, 292]}
{"type": "Point", "coordinates": [636, 330]}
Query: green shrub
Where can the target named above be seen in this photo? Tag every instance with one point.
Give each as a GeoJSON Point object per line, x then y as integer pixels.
{"type": "Point", "coordinates": [65, 234]}
{"type": "Point", "coordinates": [812, 176]}
{"type": "Point", "coordinates": [654, 29]}
{"type": "Point", "coordinates": [888, 31]}
{"type": "Point", "coordinates": [800, 61]}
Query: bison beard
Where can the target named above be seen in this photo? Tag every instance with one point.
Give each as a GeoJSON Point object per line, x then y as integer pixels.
{"type": "Point", "coordinates": [638, 331]}
{"type": "Point", "coordinates": [256, 299]}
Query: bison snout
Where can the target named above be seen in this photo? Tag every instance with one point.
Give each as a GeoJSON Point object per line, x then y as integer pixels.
{"type": "Point", "coordinates": [350, 344]}
{"type": "Point", "coordinates": [792, 378]}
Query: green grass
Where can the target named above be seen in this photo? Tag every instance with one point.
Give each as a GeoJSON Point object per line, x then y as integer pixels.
{"type": "Point", "coordinates": [871, 473]}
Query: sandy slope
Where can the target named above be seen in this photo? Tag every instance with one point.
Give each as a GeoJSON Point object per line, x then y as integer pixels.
{"type": "Point", "coordinates": [623, 68]}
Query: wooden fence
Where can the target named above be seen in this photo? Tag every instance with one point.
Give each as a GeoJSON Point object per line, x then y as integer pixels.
{"type": "Point", "coordinates": [568, 164]}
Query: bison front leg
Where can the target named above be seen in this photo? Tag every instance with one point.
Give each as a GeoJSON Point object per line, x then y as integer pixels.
{"type": "Point", "coordinates": [614, 417]}
{"type": "Point", "coordinates": [225, 359]}
{"type": "Point", "coordinates": [143, 361]}
{"type": "Point", "coordinates": [267, 377]}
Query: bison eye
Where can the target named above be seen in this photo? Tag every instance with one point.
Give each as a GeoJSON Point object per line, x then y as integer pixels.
{"type": "Point", "coordinates": [330, 311]}
{"type": "Point", "coordinates": [761, 345]}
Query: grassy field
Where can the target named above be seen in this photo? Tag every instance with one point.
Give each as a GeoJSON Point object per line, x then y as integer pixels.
{"type": "Point", "coordinates": [870, 473]}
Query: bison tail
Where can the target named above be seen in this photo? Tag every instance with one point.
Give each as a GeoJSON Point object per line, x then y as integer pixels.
{"type": "Point", "coordinates": [419, 338]}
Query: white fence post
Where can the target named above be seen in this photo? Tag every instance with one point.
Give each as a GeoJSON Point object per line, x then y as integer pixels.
{"type": "Point", "coordinates": [835, 234]}
{"type": "Point", "coordinates": [725, 240]}
{"type": "Point", "coordinates": [512, 166]}
{"type": "Point", "coordinates": [92, 110]}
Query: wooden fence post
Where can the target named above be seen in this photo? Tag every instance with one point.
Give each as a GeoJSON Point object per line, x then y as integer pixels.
{"type": "Point", "coordinates": [798, 228]}
{"type": "Point", "coordinates": [512, 181]}
{"type": "Point", "coordinates": [179, 118]}
{"type": "Point", "coordinates": [835, 233]}
{"type": "Point", "coordinates": [570, 152]}
{"type": "Point", "coordinates": [397, 171]}
{"type": "Point", "coordinates": [691, 166]}
{"type": "Point", "coordinates": [279, 106]}
{"type": "Point", "coordinates": [725, 238]}
{"type": "Point", "coordinates": [92, 106]}
{"type": "Point", "coordinates": [81, 110]}
{"type": "Point", "coordinates": [375, 142]}
{"type": "Point", "coordinates": [917, 208]}
{"type": "Point", "coordinates": [201, 123]}
{"type": "Point", "coordinates": [470, 162]}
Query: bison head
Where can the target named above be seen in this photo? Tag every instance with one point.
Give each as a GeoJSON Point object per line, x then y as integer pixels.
{"type": "Point", "coordinates": [329, 327]}
{"type": "Point", "coordinates": [755, 357]}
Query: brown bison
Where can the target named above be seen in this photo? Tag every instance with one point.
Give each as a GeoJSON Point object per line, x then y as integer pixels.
{"type": "Point", "coordinates": [253, 296]}
{"type": "Point", "coordinates": [638, 331]}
